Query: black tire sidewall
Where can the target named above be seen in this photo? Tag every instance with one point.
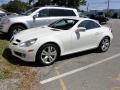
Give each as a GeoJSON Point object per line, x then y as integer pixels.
{"type": "Point", "coordinates": [12, 29]}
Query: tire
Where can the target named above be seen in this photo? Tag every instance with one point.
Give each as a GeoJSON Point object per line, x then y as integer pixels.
{"type": "Point", "coordinates": [46, 57]}
{"type": "Point", "coordinates": [16, 29]}
{"type": "Point", "coordinates": [104, 44]}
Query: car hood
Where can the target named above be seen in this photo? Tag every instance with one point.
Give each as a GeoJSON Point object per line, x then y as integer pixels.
{"type": "Point", "coordinates": [39, 32]}
{"type": "Point", "coordinates": [18, 17]}
{"type": "Point", "coordinates": [11, 16]}
{"type": "Point", "coordinates": [14, 17]}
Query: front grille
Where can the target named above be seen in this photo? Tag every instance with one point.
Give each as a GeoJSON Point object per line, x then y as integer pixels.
{"type": "Point", "coordinates": [14, 43]}
{"type": "Point", "coordinates": [17, 40]}
{"type": "Point", "coordinates": [11, 39]}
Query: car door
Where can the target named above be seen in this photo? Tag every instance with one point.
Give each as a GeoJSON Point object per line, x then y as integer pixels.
{"type": "Point", "coordinates": [42, 18]}
{"type": "Point", "coordinates": [86, 39]}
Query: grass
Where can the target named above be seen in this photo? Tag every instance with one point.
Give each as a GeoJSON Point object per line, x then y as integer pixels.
{"type": "Point", "coordinates": [3, 45]}
{"type": "Point", "coordinates": [4, 72]}
{"type": "Point", "coordinates": [8, 70]}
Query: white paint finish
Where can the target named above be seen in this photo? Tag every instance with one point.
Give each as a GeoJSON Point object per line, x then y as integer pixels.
{"type": "Point", "coordinates": [65, 39]}
{"type": "Point", "coordinates": [79, 69]}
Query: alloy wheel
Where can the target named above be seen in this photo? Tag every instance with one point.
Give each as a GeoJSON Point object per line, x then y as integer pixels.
{"type": "Point", "coordinates": [105, 44]}
{"type": "Point", "coordinates": [48, 55]}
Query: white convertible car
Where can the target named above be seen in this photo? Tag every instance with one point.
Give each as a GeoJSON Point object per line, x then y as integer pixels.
{"type": "Point", "coordinates": [69, 35]}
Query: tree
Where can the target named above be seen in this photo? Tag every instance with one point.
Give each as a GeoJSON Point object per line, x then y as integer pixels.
{"type": "Point", "coordinates": [15, 6]}
{"type": "Point", "coordinates": [110, 13]}
{"type": "Point", "coordinates": [67, 3]}
{"type": "Point", "coordinates": [31, 1]}
{"type": "Point", "coordinates": [42, 3]}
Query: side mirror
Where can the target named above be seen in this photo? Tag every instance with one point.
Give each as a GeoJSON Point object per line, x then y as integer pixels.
{"type": "Point", "coordinates": [81, 29]}
{"type": "Point", "coordinates": [35, 16]}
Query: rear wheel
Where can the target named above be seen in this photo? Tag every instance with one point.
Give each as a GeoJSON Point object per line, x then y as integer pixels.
{"type": "Point", "coordinates": [104, 45]}
{"type": "Point", "coordinates": [47, 54]}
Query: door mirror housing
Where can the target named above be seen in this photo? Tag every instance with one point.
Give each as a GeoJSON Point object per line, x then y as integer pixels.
{"type": "Point", "coordinates": [35, 16]}
{"type": "Point", "coordinates": [81, 29]}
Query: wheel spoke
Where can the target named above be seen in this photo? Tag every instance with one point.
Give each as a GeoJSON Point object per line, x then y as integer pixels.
{"type": "Point", "coordinates": [103, 47]}
{"type": "Point", "coordinates": [51, 59]}
{"type": "Point", "coordinates": [45, 59]}
{"type": "Point", "coordinates": [44, 52]}
{"type": "Point", "coordinates": [49, 50]}
{"type": "Point", "coordinates": [53, 53]}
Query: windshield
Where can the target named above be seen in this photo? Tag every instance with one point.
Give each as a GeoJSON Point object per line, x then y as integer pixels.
{"type": "Point", "coordinates": [2, 14]}
{"type": "Point", "coordinates": [30, 11]}
{"type": "Point", "coordinates": [63, 24]}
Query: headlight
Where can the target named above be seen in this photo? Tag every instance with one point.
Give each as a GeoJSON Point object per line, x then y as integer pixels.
{"type": "Point", "coordinates": [5, 21]}
{"type": "Point", "coordinates": [28, 43]}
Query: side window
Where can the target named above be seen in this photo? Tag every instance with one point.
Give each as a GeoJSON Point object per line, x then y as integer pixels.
{"type": "Point", "coordinates": [43, 13]}
{"type": "Point", "coordinates": [69, 13]}
{"type": "Point", "coordinates": [61, 12]}
{"type": "Point", "coordinates": [83, 24]}
{"type": "Point", "coordinates": [55, 12]}
{"type": "Point", "coordinates": [88, 24]}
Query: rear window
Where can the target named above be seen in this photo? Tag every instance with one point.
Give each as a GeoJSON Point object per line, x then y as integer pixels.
{"type": "Point", "coordinates": [61, 12]}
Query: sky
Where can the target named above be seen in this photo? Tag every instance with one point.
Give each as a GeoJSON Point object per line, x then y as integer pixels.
{"type": "Point", "coordinates": [93, 4]}
{"type": "Point", "coordinates": [101, 4]}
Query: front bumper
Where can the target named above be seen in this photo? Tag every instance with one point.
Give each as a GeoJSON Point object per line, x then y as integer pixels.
{"type": "Point", "coordinates": [23, 53]}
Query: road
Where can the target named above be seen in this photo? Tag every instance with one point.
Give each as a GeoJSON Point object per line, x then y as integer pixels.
{"type": "Point", "coordinates": [87, 70]}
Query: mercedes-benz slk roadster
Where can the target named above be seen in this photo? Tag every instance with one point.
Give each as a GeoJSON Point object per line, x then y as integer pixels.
{"type": "Point", "coordinates": [65, 36]}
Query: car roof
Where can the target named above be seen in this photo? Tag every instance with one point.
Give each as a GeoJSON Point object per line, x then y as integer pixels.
{"type": "Point", "coordinates": [81, 19]}
{"type": "Point", "coordinates": [78, 18]}
{"type": "Point", "coordinates": [58, 7]}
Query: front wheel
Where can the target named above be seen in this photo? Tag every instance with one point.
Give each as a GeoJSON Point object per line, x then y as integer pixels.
{"type": "Point", "coordinates": [47, 54]}
{"type": "Point", "coordinates": [104, 45]}
{"type": "Point", "coordinates": [16, 29]}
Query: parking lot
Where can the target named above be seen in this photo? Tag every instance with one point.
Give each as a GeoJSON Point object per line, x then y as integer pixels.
{"type": "Point", "coordinates": [88, 70]}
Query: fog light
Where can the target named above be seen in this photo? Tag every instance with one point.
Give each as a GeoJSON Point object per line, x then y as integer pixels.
{"type": "Point", "coordinates": [23, 55]}
{"type": "Point", "coordinates": [20, 54]}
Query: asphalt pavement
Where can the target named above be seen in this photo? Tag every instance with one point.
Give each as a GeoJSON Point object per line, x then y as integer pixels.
{"type": "Point", "coordinates": [88, 70]}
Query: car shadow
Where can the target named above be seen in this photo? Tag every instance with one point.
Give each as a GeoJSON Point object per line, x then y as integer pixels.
{"type": "Point", "coordinates": [78, 54]}
{"type": "Point", "coordinates": [16, 61]}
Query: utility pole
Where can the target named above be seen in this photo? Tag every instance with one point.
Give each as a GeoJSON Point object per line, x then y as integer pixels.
{"type": "Point", "coordinates": [88, 7]}
{"type": "Point", "coordinates": [108, 6]}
